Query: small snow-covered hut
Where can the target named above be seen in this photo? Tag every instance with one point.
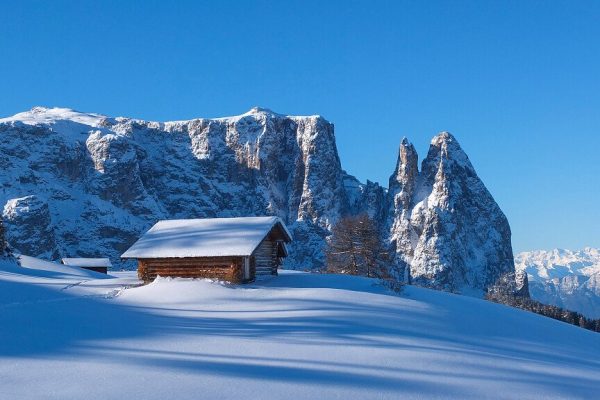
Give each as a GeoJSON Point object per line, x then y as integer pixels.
{"type": "Point", "coordinates": [94, 264]}
{"type": "Point", "coordinates": [229, 249]}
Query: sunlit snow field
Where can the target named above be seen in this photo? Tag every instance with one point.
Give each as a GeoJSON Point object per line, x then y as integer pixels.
{"type": "Point", "coordinates": [71, 334]}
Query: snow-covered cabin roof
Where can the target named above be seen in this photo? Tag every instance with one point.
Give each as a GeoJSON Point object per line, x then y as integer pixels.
{"type": "Point", "coordinates": [209, 237]}
{"type": "Point", "coordinates": [87, 262]}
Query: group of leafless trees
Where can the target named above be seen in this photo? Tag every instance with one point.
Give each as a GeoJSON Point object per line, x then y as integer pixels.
{"type": "Point", "coordinates": [355, 248]}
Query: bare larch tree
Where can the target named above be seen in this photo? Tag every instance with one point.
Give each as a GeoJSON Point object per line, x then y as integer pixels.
{"type": "Point", "coordinates": [355, 248]}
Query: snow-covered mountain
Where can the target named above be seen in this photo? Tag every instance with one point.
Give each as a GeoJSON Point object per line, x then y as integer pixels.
{"type": "Point", "coordinates": [80, 184]}
{"type": "Point", "coordinates": [565, 278]}
{"type": "Point", "coordinates": [446, 226]}
{"type": "Point", "coordinates": [83, 184]}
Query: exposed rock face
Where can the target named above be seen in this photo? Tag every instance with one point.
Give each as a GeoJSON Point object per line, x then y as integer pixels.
{"type": "Point", "coordinates": [76, 184]}
{"type": "Point", "coordinates": [402, 186]}
{"type": "Point", "coordinates": [30, 226]}
{"type": "Point", "coordinates": [565, 278]}
{"type": "Point", "coordinates": [107, 180]}
{"type": "Point", "coordinates": [447, 228]}
{"type": "Point", "coordinates": [522, 282]}
{"type": "Point", "coordinates": [369, 198]}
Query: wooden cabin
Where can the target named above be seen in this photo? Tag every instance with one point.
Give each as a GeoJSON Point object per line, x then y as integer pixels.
{"type": "Point", "coordinates": [93, 264]}
{"type": "Point", "coordinates": [236, 250]}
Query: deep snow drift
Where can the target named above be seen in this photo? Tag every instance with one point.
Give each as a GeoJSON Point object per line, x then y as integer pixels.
{"type": "Point", "coordinates": [66, 335]}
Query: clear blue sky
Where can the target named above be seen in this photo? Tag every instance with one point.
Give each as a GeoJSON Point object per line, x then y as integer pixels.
{"type": "Point", "coordinates": [517, 82]}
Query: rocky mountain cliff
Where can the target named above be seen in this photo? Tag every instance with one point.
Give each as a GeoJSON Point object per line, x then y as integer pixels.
{"type": "Point", "coordinates": [565, 278]}
{"type": "Point", "coordinates": [78, 184]}
{"type": "Point", "coordinates": [446, 228]}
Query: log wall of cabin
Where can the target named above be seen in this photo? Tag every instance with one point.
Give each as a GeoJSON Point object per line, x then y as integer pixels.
{"type": "Point", "coordinates": [265, 257]}
{"type": "Point", "coordinates": [223, 268]}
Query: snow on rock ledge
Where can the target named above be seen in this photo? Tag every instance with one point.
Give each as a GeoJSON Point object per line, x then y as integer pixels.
{"type": "Point", "coordinates": [446, 226]}
{"type": "Point", "coordinates": [30, 226]}
{"type": "Point", "coordinates": [106, 180]}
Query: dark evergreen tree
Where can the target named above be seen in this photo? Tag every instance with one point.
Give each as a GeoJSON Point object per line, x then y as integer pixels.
{"type": "Point", "coordinates": [524, 303]}
{"type": "Point", "coordinates": [3, 244]}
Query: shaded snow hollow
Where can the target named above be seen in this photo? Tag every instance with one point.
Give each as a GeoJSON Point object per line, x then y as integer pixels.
{"type": "Point", "coordinates": [300, 336]}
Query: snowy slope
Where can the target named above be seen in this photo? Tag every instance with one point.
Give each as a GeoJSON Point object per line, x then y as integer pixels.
{"type": "Point", "coordinates": [300, 336]}
{"type": "Point", "coordinates": [566, 278]}
{"type": "Point", "coordinates": [36, 265]}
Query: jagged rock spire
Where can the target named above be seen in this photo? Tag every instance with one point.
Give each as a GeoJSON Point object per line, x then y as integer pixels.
{"type": "Point", "coordinates": [464, 238]}
{"type": "Point", "coordinates": [445, 153]}
{"type": "Point", "coordinates": [442, 222]}
{"type": "Point", "coordinates": [402, 185]}
{"type": "Point", "coordinates": [402, 182]}
{"type": "Point", "coordinates": [445, 229]}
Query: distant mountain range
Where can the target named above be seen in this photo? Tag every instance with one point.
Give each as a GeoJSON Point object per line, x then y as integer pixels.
{"type": "Point", "coordinates": [79, 184]}
{"type": "Point", "coordinates": [565, 278]}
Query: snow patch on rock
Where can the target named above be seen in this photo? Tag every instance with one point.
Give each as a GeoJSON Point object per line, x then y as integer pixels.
{"type": "Point", "coordinates": [445, 225]}
{"type": "Point", "coordinates": [99, 183]}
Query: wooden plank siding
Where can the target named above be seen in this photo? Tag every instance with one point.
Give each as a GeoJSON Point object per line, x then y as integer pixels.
{"type": "Point", "coordinates": [223, 268]}
{"type": "Point", "coordinates": [265, 257]}
{"type": "Point", "coordinates": [264, 260]}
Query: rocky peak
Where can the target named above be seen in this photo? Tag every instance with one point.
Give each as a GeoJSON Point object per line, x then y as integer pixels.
{"type": "Point", "coordinates": [443, 138]}
{"type": "Point", "coordinates": [38, 110]}
{"type": "Point", "coordinates": [445, 155]}
{"type": "Point", "coordinates": [262, 110]}
{"type": "Point", "coordinates": [46, 115]}
{"type": "Point", "coordinates": [404, 176]}
{"type": "Point", "coordinates": [95, 183]}
{"type": "Point", "coordinates": [402, 186]}
{"type": "Point", "coordinates": [445, 143]}
{"type": "Point", "coordinates": [82, 184]}
{"type": "Point", "coordinates": [452, 235]}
